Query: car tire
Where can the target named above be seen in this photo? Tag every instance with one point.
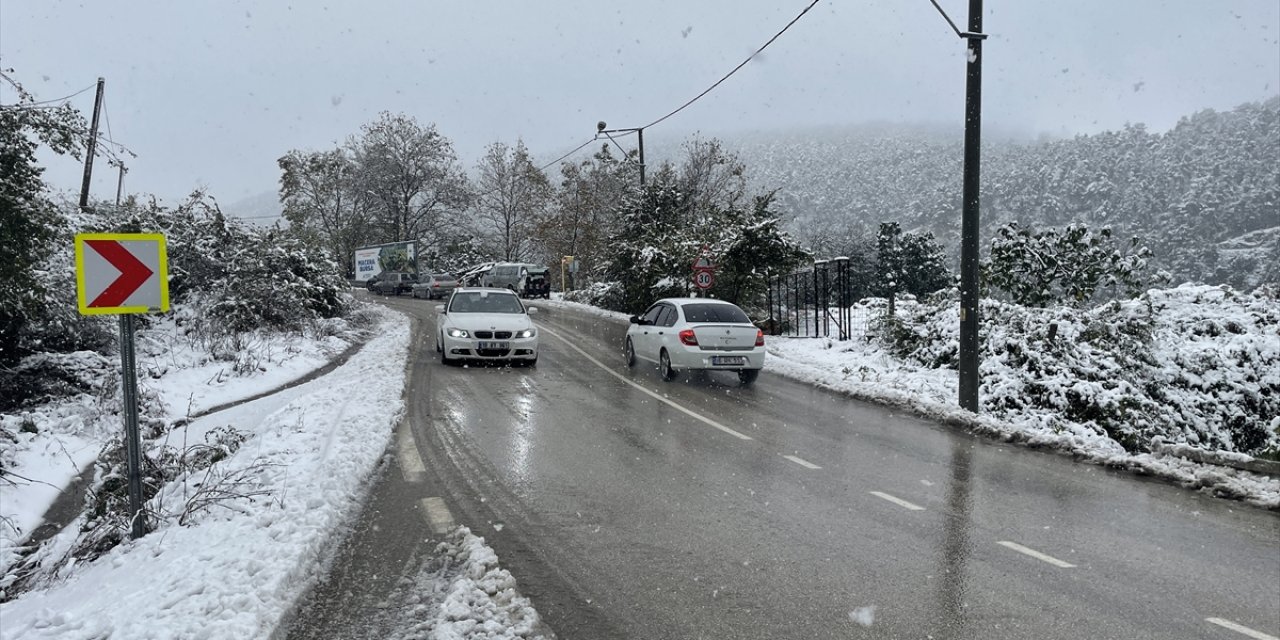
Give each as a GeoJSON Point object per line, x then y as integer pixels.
{"type": "Point", "coordinates": [630, 352]}
{"type": "Point", "coordinates": [664, 366]}
{"type": "Point", "coordinates": [747, 376]}
{"type": "Point", "coordinates": [439, 343]}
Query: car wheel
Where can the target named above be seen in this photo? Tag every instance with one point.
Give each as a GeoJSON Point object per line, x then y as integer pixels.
{"type": "Point", "coordinates": [747, 376]}
{"type": "Point", "coordinates": [631, 353]}
{"type": "Point", "coordinates": [664, 366]}
{"type": "Point", "coordinates": [439, 342]}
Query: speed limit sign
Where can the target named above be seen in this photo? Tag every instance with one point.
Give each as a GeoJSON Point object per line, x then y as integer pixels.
{"type": "Point", "coordinates": [703, 279]}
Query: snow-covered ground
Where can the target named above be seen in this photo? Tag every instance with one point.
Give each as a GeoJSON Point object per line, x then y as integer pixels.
{"type": "Point", "coordinates": [236, 568]}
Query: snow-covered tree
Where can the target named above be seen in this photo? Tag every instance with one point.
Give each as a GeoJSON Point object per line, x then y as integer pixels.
{"type": "Point", "coordinates": [584, 213]}
{"type": "Point", "coordinates": [412, 176]}
{"type": "Point", "coordinates": [1038, 268]}
{"type": "Point", "coordinates": [28, 223]}
{"type": "Point", "coordinates": [665, 228]}
{"type": "Point", "coordinates": [512, 196]}
{"type": "Point", "coordinates": [322, 205]}
{"type": "Point", "coordinates": [907, 263]}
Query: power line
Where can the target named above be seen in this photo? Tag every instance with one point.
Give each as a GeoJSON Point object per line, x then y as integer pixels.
{"type": "Point", "coordinates": [735, 69]}
{"type": "Point", "coordinates": [42, 103]}
{"type": "Point", "coordinates": [107, 116]}
{"type": "Point", "coordinates": [557, 160]}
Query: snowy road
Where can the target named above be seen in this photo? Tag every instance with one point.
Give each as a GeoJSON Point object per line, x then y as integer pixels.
{"type": "Point", "coordinates": [630, 507]}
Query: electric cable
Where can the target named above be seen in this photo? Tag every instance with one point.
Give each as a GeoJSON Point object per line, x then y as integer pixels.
{"type": "Point", "coordinates": [43, 103]}
{"type": "Point", "coordinates": [735, 69]}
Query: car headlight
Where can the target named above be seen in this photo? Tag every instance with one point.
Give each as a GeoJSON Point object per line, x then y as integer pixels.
{"type": "Point", "coordinates": [457, 333]}
{"type": "Point", "coordinates": [527, 333]}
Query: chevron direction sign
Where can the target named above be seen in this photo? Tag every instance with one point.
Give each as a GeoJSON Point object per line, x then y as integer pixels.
{"type": "Point", "coordinates": [119, 273]}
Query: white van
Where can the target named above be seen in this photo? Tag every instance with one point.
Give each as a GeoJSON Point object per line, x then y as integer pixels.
{"type": "Point", "coordinates": [507, 275]}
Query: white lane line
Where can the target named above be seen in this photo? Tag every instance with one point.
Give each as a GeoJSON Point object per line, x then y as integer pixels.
{"type": "Point", "coordinates": [896, 500]}
{"type": "Point", "coordinates": [411, 466]}
{"type": "Point", "coordinates": [802, 462]}
{"type": "Point", "coordinates": [655, 396]}
{"type": "Point", "coordinates": [1035, 554]}
{"type": "Point", "coordinates": [437, 515]}
{"type": "Point", "coordinates": [1239, 628]}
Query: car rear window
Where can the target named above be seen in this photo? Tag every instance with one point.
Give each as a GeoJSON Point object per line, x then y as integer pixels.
{"type": "Point", "coordinates": [699, 312]}
{"type": "Point", "coordinates": [442, 276]}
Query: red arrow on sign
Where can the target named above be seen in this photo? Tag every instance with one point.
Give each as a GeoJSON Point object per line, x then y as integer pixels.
{"type": "Point", "coordinates": [132, 273]}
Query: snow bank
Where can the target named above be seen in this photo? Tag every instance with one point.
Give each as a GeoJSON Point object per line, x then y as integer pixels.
{"type": "Point", "coordinates": [240, 564]}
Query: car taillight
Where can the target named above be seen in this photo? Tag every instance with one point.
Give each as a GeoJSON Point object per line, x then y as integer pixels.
{"type": "Point", "coordinates": [759, 337]}
{"type": "Point", "coordinates": [687, 338]}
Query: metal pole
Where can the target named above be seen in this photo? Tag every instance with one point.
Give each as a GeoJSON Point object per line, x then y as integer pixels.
{"type": "Point", "coordinates": [640, 137]}
{"type": "Point", "coordinates": [813, 292]}
{"type": "Point", "coordinates": [969, 319]}
{"type": "Point", "coordinates": [91, 147]}
{"type": "Point", "coordinates": [120, 184]}
{"type": "Point", "coordinates": [129, 388]}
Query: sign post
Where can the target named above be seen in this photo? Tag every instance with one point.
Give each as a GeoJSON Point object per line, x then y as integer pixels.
{"type": "Point", "coordinates": [124, 274]}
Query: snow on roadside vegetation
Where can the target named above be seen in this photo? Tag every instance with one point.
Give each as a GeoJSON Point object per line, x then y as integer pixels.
{"type": "Point", "coordinates": [237, 565]}
{"type": "Point", "coordinates": [233, 567]}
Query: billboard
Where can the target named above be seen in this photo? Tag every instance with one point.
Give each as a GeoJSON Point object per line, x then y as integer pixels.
{"type": "Point", "coordinates": [397, 256]}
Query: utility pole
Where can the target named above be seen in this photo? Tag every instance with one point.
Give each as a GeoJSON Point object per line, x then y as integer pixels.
{"type": "Point", "coordinates": [91, 147]}
{"type": "Point", "coordinates": [120, 183]}
{"type": "Point", "coordinates": [600, 128]}
{"type": "Point", "coordinates": [969, 317]}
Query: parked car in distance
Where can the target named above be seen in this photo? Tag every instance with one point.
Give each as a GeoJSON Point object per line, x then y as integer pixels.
{"type": "Point", "coordinates": [682, 334]}
{"type": "Point", "coordinates": [435, 285]}
{"type": "Point", "coordinates": [486, 324]}
{"type": "Point", "coordinates": [391, 283]}
{"type": "Point", "coordinates": [537, 283]}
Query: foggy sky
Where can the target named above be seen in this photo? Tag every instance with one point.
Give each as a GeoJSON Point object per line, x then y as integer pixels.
{"type": "Point", "coordinates": [210, 93]}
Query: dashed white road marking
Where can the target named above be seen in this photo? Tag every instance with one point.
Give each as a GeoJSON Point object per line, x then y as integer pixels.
{"type": "Point", "coordinates": [896, 500]}
{"type": "Point", "coordinates": [411, 466]}
{"type": "Point", "coordinates": [437, 515]}
{"type": "Point", "coordinates": [1239, 628]}
{"type": "Point", "coordinates": [1035, 554]}
{"type": "Point", "coordinates": [802, 462]}
{"type": "Point", "coordinates": [655, 396]}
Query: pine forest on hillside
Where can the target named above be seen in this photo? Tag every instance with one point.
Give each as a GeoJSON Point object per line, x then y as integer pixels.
{"type": "Point", "coordinates": [1204, 196]}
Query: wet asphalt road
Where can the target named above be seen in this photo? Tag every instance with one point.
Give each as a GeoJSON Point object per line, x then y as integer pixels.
{"type": "Point", "coordinates": [628, 507]}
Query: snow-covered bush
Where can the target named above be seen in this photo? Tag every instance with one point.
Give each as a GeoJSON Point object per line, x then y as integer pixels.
{"type": "Point", "coordinates": [1195, 364]}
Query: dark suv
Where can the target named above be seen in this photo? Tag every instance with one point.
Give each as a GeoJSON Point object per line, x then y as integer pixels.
{"type": "Point", "coordinates": [390, 283]}
{"type": "Point", "coordinates": [538, 283]}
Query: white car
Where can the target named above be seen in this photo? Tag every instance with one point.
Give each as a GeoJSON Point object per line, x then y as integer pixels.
{"type": "Point", "coordinates": [680, 334]}
{"type": "Point", "coordinates": [486, 324]}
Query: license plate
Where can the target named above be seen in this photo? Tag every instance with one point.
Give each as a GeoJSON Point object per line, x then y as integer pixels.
{"type": "Point", "coordinates": [483, 346]}
{"type": "Point", "coordinates": [728, 360]}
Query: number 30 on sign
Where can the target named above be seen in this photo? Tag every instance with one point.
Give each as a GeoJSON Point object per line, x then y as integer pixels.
{"type": "Point", "coordinates": [703, 279]}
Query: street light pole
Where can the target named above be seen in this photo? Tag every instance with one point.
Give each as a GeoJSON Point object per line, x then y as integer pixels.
{"type": "Point", "coordinates": [639, 131]}
{"type": "Point", "coordinates": [969, 317]}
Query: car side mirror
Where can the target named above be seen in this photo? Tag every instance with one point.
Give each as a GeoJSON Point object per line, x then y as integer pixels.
{"type": "Point", "coordinates": [636, 320]}
{"type": "Point", "coordinates": [532, 309]}
{"type": "Point", "coordinates": [439, 308]}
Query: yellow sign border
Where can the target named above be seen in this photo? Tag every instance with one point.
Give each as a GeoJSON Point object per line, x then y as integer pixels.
{"type": "Point", "coordinates": [81, 298]}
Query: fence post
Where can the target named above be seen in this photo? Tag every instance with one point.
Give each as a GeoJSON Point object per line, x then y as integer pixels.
{"type": "Point", "coordinates": [842, 281]}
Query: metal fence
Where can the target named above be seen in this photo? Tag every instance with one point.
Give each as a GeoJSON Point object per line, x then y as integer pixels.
{"type": "Point", "coordinates": [815, 302]}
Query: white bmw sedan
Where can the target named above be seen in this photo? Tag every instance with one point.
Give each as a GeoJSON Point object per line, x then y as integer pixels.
{"type": "Point", "coordinates": [486, 324]}
{"type": "Point", "coordinates": [680, 334]}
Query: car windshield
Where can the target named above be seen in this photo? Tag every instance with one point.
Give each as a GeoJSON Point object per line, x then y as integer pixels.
{"type": "Point", "coordinates": [704, 312]}
{"type": "Point", "coordinates": [485, 302]}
